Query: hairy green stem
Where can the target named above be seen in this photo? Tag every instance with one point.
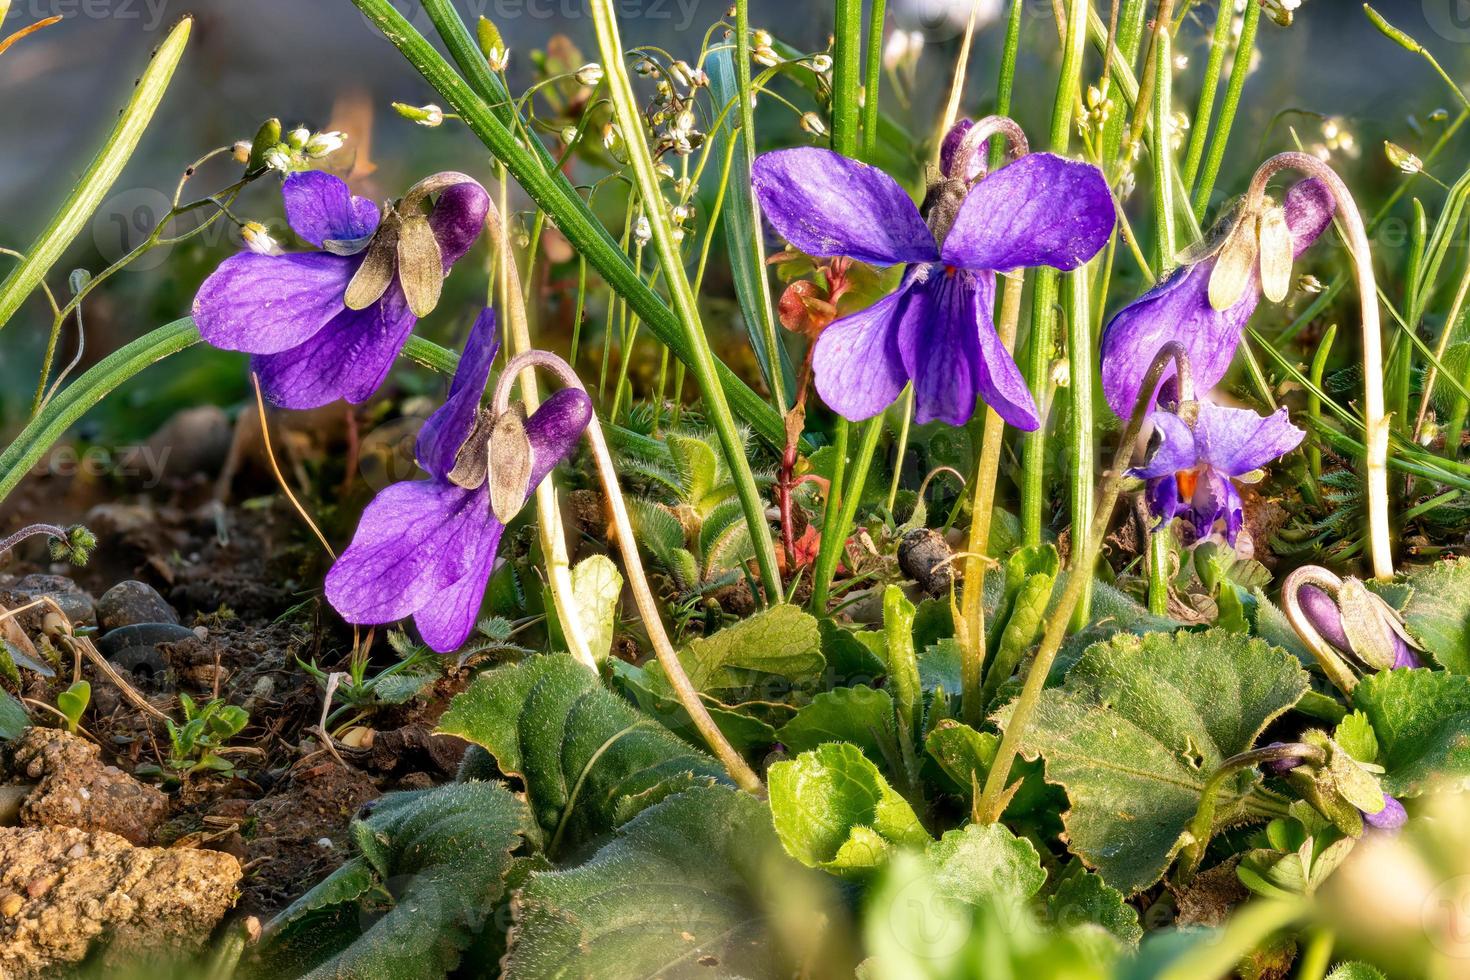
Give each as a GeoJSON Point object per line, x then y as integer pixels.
{"type": "Point", "coordinates": [1044, 294]}
{"type": "Point", "coordinates": [873, 78]}
{"type": "Point", "coordinates": [834, 533]}
{"type": "Point", "coordinates": [1085, 552]}
{"type": "Point", "coordinates": [1336, 669]}
{"type": "Point", "coordinates": [701, 360]}
{"type": "Point", "coordinates": [1080, 356]}
{"type": "Point", "coordinates": [1163, 163]}
{"type": "Point", "coordinates": [847, 75]}
{"type": "Point", "coordinates": [1200, 127]}
{"type": "Point", "coordinates": [1239, 69]}
{"type": "Point", "coordinates": [1158, 569]}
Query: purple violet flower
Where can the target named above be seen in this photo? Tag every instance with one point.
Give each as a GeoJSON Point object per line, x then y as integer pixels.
{"type": "Point", "coordinates": [938, 329]}
{"type": "Point", "coordinates": [290, 311]}
{"type": "Point", "coordinates": [1190, 467]}
{"type": "Point", "coordinates": [1390, 818]}
{"type": "Point", "coordinates": [426, 548]}
{"type": "Point", "coordinates": [1327, 617]}
{"type": "Point", "coordinates": [1178, 308]}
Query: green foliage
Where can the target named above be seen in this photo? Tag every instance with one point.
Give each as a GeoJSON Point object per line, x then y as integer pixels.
{"type": "Point", "coordinates": [834, 810]}
{"type": "Point", "coordinates": [1082, 897]}
{"type": "Point", "coordinates": [1137, 729]}
{"type": "Point", "coordinates": [679, 892]}
{"type": "Point", "coordinates": [429, 874]}
{"type": "Point", "coordinates": [861, 716]}
{"type": "Point", "coordinates": [73, 701]}
{"type": "Point", "coordinates": [194, 746]}
{"type": "Point", "coordinates": [13, 719]}
{"type": "Point", "coordinates": [1294, 856]}
{"type": "Point", "coordinates": [1437, 614]}
{"type": "Point", "coordinates": [588, 760]}
{"type": "Point", "coordinates": [1419, 719]}
{"type": "Point", "coordinates": [597, 585]}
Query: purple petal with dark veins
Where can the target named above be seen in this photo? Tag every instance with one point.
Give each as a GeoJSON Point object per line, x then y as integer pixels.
{"type": "Point", "coordinates": [1235, 441]}
{"type": "Point", "coordinates": [321, 207]}
{"type": "Point", "coordinates": [827, 205]}
{"type": "Point", "coordinates": [262, 304]}
{"type": "Point", "coordinates": [857, 365]}
{"type": "Point", "coordinates": [1391, 817]}
{"type": "Point", "coordinates": [1163, 498]}
{"type": "Point", "coordinates": [1040, 210]}
{"type": "Point", "coordinates": [1172, 448]}
{"type": "Point", "coordinates": [1001, 385]}
{"type": "Point", "coordinates": [1216, 499]}
{"type": "Point", "coordinates": [447, 429]}
{"type": "Point", "coordinates": [415, 540]}
{"type": "Point", "coordinates": [447, 620]}
{"type": "Point", "coordinates": [349, 358]}
{"type": "Point", "coordinates": [1178, 308]}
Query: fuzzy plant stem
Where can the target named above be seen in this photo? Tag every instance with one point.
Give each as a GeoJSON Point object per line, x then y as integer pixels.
{"type": "Point", "coordinates": [1239, 69]}
{"type": "Point", "coordinates": [1336, 669]}
{"type": "Point", "coordinates": [1200, 128]}
{"type": "Point", "coordinates": [1202, 826]}
{"type": "Point", "coordinates": [847, 68]}
{"type": "Point", "coordinates": [972, 601]}
{"type": "Point", "coordinates": [548, 511]}
{"type": "Point", "coordinates": [873, 78]}
{"type": "Point", "coordinates": [648, 609]}
{"type": "Point", "coordinates": [1375, 422]}
{"type": "Point", "coordinates": [51, 530]}
{"type": "Point", "coordinates": [702, 360]}
{"type": "Point", "coordinates": [996, 793]}
{"type": "Point", "coordinates": [1045, 291]}
{"type": "Point", "coordinates": [1158, 570]}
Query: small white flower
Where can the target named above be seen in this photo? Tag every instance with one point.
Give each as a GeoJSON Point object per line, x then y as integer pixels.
{"type": "Point", "coordinates": [279, 157]}
{"type": "Point", "coordinates": [258, 239]}
{"type": "Point", "coordinates": [610, 137]}
{"type": "Point", "coordinates": [642, 230]}
{"type": "Point", "coordinates": [821, 63]}
{"type": "Point", "coordinates": [298, 138]}
{"type": "Point", "coordinates": [568, 135]}
{"type": "Point", "coordinates": [589, 74]}
{"type": "Point", "coordinates": [498, 58]}
{"type": "Point", "coordinates": [812, 123]}
{"type": "Point", "coordinates": [325, 144]}
{"type": "Point", "coordinates": [682, 73]}
{"type": "Point", "coordinates": [765, 55]}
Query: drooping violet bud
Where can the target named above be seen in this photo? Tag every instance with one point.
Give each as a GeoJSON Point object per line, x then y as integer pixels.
{"type": "Point", "coordinates": [1383, 644]}
{"type": "Point", "coordinates": [951, 144]}
{"type": "Point", "coordinates": [1284, 764]}
{"type": "Point", "coordinates": [1390, 818]}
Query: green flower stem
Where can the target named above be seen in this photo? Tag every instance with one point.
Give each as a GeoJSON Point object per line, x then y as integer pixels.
{"type": "Point", "coordinates": [1239, 69]}
{"type": "Point", "coordinates": [834, 532]}
{"type": "Point", "coordinates": [846, 75]}
{"type": "Point", "coordinates": [1005, 86]}
{"type": "Point", "coordinates": [972, 601]}
{"type": "Point", "coordinates": [1430, 379]}
{"type": "Point", "coordinates": [549, 529]}
{"type": "Point", "coordinates": [873, 79]}
{"type": "Point", "coordinates": [1044, 294]}
{"type": "Point", "coordinates": [1314, 404]}
{"type": "Point", "coordinates": [995, 795]}
{"type": "Point", "coordinates": [648, 609]}
{"type": "Point", "coordinates": [1132, 16]}
{"type": "Point", "coordinates": [553, 193]}
{"type": "Point", "coordinates": [1336, 669]}
{"type": "Point", "coordinates": [1080, 356]}
{"type": "Point", "coordinates": [852, 496]}
{"type": "Point", "coordinates": [1158, 569]}
{"type": "Point", "coordinates": [1163, 164]}
{"type": "Point", "coordinates": [701, 360]}
{"type": "Point", "coordinates": [746, 139]}
{"type": "Point", "coordinates": [1375, 422]}
{"type": "Point", "coordinates": [99, 176]}
{"type": "Point", "coordinates": [1200, 127]}
{"type": "Point", "coordinates": [79, 397]}
{"type": "Point", "coordinates": [1202, 827]}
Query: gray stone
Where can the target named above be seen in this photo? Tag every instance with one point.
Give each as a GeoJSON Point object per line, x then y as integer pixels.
{"type": "Point", "coordinates": [76, 604]}
{"type": "Point", "coordinates": [131, 603]}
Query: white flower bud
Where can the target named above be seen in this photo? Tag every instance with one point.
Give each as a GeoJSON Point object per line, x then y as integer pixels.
{"type": "Point", "coordinates": [279, 157]}
{"type": "Point", "coordinates": [682, 73]}
{"type": "Point", "coordinates": [821, 63]}
{"type": "Point", "coordinates": [812, 123]}
{"type": "Point", "coordinates": [589, 74]}
{"type": "Point", "coordinates": [325, 144]}
{"type": "Point", "coordinates": [498, 58]}
{"type": "Point", "coordinates": [241, 151]}
{"type": "Point", "coordinates": [298, 137]}
{"type": "Point", "coordinates": [568, 135]}
{"type": "Point", "coordinates": [258, 239]}
{"type": "Point", "coordinates": [642, 230]}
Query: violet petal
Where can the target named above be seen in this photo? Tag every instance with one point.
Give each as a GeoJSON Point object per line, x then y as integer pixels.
{"type": "Point", "coordinates": [828, 205]}
{"type": "Point", "coordinates": [1042, 209]}
{"type": "Point", "coordinates": [1172, 448]}
{"type": "Point", "coordinates": [554, 428]}
{"type": "Point", "coordinates": [857, 365]}
{"type": "Point", "coordinates": [458, 218]}
{"type": "Point", "coordinates": [1322, 611]}
{"type": "Point", "coordinates": [319, 207]}
{"type": "Point", "coordinates": [263, 304]}
{"type": "Point", "coordinates": [447, 429]}
{"type": "Point", "coordinates": [447, 621]}
{"type": "Point", "coordinates": [1236, 441]}
{"type": "Point", "coordinates": [1391, 817]}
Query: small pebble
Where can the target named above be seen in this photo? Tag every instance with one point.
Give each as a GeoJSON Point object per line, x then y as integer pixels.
{"type": "Point", "coordinates": [11, 905]}
{"type": "Point", "coordinates": [132, 602]}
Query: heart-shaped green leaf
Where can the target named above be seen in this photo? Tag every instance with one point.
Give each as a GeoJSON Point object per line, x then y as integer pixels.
{"type": "Point", "coordinates": [1138, 728]}
{"type": "Point", "coordinates": [1421, 719]}
{"type": "Point", "coordinates": [1438, 612]}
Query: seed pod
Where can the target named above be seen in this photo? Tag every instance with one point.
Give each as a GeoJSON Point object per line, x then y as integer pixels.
{"type": "Point", "coordinates": [1275, 254]}
{"type": "Point", "coordinates": [510, 462]}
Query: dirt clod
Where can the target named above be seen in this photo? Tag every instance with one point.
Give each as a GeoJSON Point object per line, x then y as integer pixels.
{"type": "Point", "coordinates": [75, 889]}
{"type": "Point", "coordinates": [75, 789]}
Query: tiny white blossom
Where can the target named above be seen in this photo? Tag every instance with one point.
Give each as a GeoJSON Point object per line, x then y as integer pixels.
{"type": "Point", "coordinates": [279, 157]}
{"type": "Point", "coordinates": [325, 144]}
{"type": "Point", "coordinates": [642, 230]}
{"type": "Point", "coordinates": [498, 58]}
{"type": "Point", "coordinates": [589, 74]}
{"type": "Point", "coordinates": [822, 63]}
{"type": "Point", "coordinates": [258, 239]}
{"type": "Point", "coordinates": [298, 137]}
{"type": "Point", "coordinates": [812, 123]}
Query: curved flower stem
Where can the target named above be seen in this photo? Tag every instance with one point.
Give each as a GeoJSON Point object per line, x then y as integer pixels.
{"type": "Point", "coordinates": [1336, 669]}
{"type": "Point", "coordinates": [1376, 425]}
{"type": "Point", "coordinates": [1203, 825]}
{"type": "Point", "coordinates": [972, 602]}
{"type": "Point", "coordinates": [993, 799]}
{"type": "Point", "coordinates": [30, 531]}
{"type": "Point", "coordinates": [702, 360]}
{"type": "Point", "coordinates": [548, 511]}
{"type": "Point", "coordinates": [648, 610]}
